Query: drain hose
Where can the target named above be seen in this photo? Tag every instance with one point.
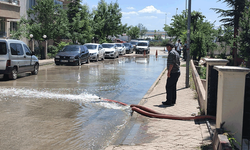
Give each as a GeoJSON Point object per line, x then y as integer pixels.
{"type": "Point", "coordinates": [151, 113]}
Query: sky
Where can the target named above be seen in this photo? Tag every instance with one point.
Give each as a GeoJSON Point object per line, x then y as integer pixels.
{"type": "Point", "coordinates": [153, 14]}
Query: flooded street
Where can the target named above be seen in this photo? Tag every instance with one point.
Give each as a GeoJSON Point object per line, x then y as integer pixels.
{"type": "Point", "coordinates": [60, 107]}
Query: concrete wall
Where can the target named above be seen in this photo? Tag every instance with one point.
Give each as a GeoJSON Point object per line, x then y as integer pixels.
{"type": "Point", "coordinates": [199, 87]}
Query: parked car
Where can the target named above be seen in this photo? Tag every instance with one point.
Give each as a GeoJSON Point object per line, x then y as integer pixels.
{"type": "Point", "coordinates": [119, 41]}
{"type": "Point", "coordinates": [143, 46]}
{"type": "Point", "coordinates": [121, 48]}
{"type": "Point", "coordinates": [129, 48]}
{"type": "Point", "coordinates": [72, 54]}
{"type": "Point", "coordinates": [15, 58]}
{"type": "Point", "coordinates": [111, 50]}
{"type": "Point", "coordinates": [134, 43]}
{"type": "Point", "coordinates": [96, 51]}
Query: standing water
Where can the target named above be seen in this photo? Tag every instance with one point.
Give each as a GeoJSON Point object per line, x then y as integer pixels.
{"type": "Point", "coordinates": [60, 107]}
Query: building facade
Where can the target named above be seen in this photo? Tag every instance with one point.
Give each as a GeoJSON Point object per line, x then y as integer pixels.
{"type": "Point", "coordinates": [12, 10]}
{"type": "Point", "coordinates": [9, 10]}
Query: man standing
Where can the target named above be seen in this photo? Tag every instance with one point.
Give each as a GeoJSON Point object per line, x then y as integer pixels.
{"type": "Point", "coordinates": [173, 66]}
{"type": "Point", "coordinates": [185, 51]}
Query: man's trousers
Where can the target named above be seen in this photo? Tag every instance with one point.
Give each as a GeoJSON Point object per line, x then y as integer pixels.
{"type": "Point", "coordinates": [171, 87]}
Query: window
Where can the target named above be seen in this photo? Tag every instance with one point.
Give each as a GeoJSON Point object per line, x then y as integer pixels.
{"type": "Point", "coordinates": [57, 2]}
{"type": "Point", "coordinates": [2, 27]}
{"type": "Point", "coordinates": [82, 49]}
{"type": "Point", "coordinates": [27, 50]}
{"type": "Point", "coordinates": [16, 49]}
{"type": "Point", "coordinates": [32, 3]}
{"type": "Point", "coordinates": [13, 26]}
{"type": "Point", "coordinates": [3, 49]}
{"type": "Point", "coordinates": [91, 46]}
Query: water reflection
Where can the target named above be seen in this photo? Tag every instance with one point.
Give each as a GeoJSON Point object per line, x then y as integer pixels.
{"type": "Point", "coordinates": [60, 107]}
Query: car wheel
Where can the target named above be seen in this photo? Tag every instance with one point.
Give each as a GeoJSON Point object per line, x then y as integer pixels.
{"type": "Point", "coordinates": [57, 64]}
{"type": "Point", "coordinates": [13, 74]}
{"type": "Point", "coordinates": [35, 71]}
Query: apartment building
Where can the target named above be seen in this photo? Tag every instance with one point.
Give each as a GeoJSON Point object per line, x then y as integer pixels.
{"type": "Point", "coordinates": [12, 10]}
{"type": "Point", "coordinates": [9, 10]}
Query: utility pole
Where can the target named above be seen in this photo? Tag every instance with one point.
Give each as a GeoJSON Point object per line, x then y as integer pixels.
{"type": "Point", "coordinates": [165, 25]}
{"type": "Point", "coordinates": [186, 9]}
{"type": "Point", "coordinates": [188, 44]}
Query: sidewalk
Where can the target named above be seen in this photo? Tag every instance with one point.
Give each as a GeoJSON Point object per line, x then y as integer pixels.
{"type": "Point", "coordinates": [45, 62]}
{"type": "Point", "coordinates": [165, 133]}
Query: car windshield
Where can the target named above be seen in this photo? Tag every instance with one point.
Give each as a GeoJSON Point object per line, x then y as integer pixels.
{"type": "Point", "coordinates": [119, 45]}
{"type": "Point", "coordinates": [70, 48]}
{"type": "Point", "coordinates": [133, 43]}
{"type": "Point", "coordinates": [107, 45]}
{"type": "Point", "coordinates": [142, 44]}
{"type": "Point", "coordinates": [126, 44]}
{"type": "Point", "coordinates": [91, 46]}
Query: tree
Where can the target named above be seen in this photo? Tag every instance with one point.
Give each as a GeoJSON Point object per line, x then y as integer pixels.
{"type": "Point", "coordinates": [79, 22]}
{"type": "Point", "coordinates": [133, 32]}
{"type": "Point", "coordinates": [46, 18]}
{"type": "Point", "coordinates": [243, 39]}
{"type": "Point", "coordinates": [232, 18]}
{"type": "Point", "coordinates": [178, 25]}
{"type": "Point", "coordinates": [107, 21]}
{"type": "Point", "coordinates": [168, 30]}
{"type": "Point", "coordinates": [225, 35]}
{"type": "Point", "coordinates": [142, 29]}
{"type": "Point", "coordinates": [202, 33]}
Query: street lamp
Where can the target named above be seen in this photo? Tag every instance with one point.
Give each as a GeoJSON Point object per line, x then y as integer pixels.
{"type": "Point", "coordinates": [45, 51]}
{"type": "Point", "coordinates": [32, 42]}
{"type": "Point", "coordinates": [176, 10]}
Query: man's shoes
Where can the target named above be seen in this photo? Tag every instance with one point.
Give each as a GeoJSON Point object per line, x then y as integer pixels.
{"type": "Point", "coordinates": [167, 103]}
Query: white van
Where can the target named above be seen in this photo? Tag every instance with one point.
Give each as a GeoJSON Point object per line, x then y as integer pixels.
{"type": "Point", "coordinates": [142, 46]}
{"type": "Point", "coordinates": [16, 57]}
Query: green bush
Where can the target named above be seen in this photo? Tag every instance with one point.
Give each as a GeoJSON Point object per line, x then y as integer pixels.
{"type": "Point", "coordinates": [203, 72]}
{"type": "Point", "coordinates": [61, 45]}
{"type": "Point", "coordinates": [52, 51]}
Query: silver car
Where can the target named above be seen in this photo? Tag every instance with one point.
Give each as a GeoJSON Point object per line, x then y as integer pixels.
{"type": "Point", "coordinates": [111, 50]}
{"type": "Point", "coordinates": [96, 51]}
{"type": "Point", "coordinates": [16, 57]}
{"type": "Point", "coordinates": [121, 48]}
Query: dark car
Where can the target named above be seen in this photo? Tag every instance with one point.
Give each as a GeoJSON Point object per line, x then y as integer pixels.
{"type": "Point", "coordinates": [72, 54]}
{"type": "Point", "coordinates": [134, 43]}
{"type": "Point", "coordinates": [129, 48]}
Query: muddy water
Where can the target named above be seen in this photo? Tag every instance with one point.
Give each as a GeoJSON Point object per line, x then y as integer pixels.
{"type": "Point", "coordinates": [60, 107]}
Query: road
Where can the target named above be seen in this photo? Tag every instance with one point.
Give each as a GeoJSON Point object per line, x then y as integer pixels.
{"type": "Point", "coordinates": [60, 107]}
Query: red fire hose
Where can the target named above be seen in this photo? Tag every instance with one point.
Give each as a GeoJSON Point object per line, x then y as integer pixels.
{"type": "Point", "coordinates": [151, 113]}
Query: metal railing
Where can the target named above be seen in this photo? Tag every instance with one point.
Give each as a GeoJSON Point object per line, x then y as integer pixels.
{"type": "Point", "coordinates": [15, 2]}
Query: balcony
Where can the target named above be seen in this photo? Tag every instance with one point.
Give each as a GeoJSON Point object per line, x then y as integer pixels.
{"type": "Point", "coordinates": [10, 9]}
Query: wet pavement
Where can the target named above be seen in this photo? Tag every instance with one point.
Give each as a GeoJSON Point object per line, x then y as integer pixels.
{"type": "Point", "coordinates": [60, 107]}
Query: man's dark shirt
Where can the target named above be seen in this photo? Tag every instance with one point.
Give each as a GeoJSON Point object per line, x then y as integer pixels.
{"type": "Point", "coordinates": [174, 59]}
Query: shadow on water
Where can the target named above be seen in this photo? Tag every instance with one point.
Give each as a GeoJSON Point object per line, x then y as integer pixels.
{"type": "Point", "coordinates": [60, 107]}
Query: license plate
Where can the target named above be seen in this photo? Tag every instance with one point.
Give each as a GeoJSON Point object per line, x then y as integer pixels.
{"type": "Point", "coordinates": [64, 60]}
